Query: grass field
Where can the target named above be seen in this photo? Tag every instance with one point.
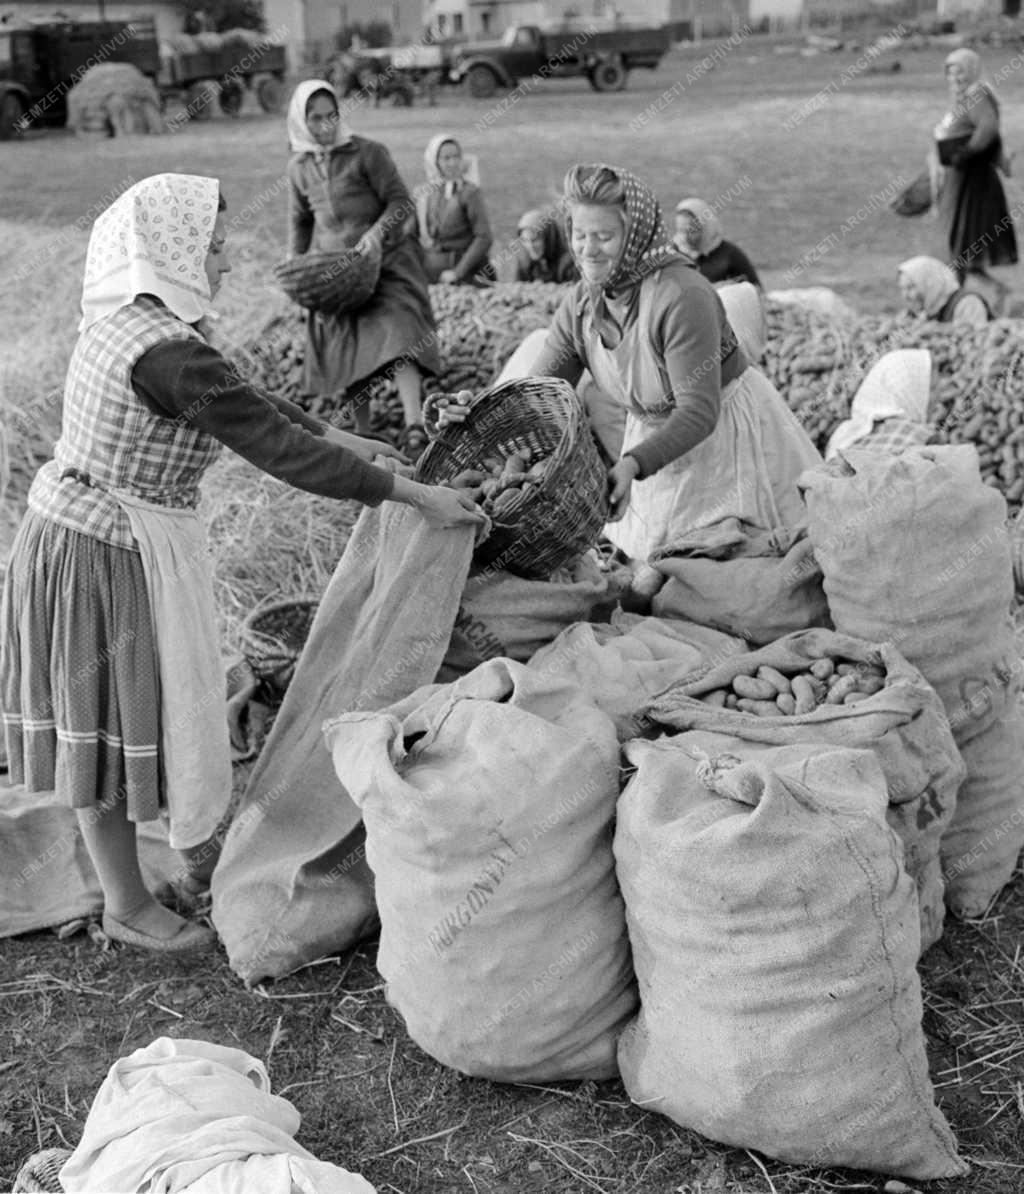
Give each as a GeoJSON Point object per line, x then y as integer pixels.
{"type": "Point", "coordinates": [370, 1099]}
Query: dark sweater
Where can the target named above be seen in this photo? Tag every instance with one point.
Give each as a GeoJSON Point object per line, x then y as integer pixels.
{"type": "Point", "coordinates": [190, 381]}
{"type": "Point", "coordinates": [728, 263]}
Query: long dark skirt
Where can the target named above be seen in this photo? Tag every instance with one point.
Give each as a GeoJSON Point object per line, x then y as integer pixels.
{"type": "Point", "coordinates": [397, 324]}
{"type": "Point", "coordinates": [78, 670]}
{"type": "Point", "coordinates": [974, 213]}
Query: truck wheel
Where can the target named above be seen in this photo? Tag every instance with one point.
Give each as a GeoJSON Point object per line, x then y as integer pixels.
{"type": "Point", "coordinates": [482, 82]}
{"type": "Point", "coordinates": [269, 92]}
{"type": "Point", "coordinates": [10, 116]}
{"type": "Point", "coordinates": [231, 97]}
{"type": "Point", "coordinates": [201, 100]}
{"type": "Point", "coordinates": [608, 76]}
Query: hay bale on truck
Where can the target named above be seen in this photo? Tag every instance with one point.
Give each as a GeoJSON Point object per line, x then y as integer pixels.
{"type": "Point", "coordinates": [114, 99]}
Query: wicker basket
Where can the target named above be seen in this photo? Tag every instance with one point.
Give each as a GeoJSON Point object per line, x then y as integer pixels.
{"type": "Point", "coordinates": [330, 282]}
{"type": "Point", "coordinates": [550, 523]}
{"type": "Point", "coordinates": [274, 635]}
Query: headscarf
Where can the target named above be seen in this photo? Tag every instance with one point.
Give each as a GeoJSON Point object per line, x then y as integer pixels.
{"type": "Point", "coordinates": [470, 165]}
{"type": "Point", "coordinates": [745, 312]}
{"type": "Point", "coordinates": [547, 223]}
{"type": "Point", "coordinates": [897, 386]}
{"type": "Point", "coordinates": [300, 139]}
{"type": "Point", "coordinates": [711, 234]}
{"type": "Point", "coordinates": [647, 246]}
{"type": "Point", "coordinates": [153, 239]}
{"type": "Point", "coordinates": [934, 281]}
{"type": "Point", "coordinates": [969, 60]}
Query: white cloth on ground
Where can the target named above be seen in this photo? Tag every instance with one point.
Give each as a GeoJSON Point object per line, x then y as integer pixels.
{"type": "Point", "coordinates": [192, 1115]}
{"type": "Point", "coordinates": [195, 751]}
{"type": "Point", "coordinates": [745, 312]}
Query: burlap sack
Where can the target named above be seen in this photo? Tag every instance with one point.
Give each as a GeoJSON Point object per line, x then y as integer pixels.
{"type": "Point", "coordinates": [622, 665]}
{"type": "Point", "coordinates": [775, 936]}
{"type": "Point", "coordinates": [292, 883]}
{"type": "Point", "coordinates": [502, 616]}
{"type": "Point", "coordinates": [915, 552]}
{"type": "Point", "coordinates": [488, 812]}
{"type": "Point", "coordinates": [904, 725]}
{"type": "Point", "coordinates": [756, 584]}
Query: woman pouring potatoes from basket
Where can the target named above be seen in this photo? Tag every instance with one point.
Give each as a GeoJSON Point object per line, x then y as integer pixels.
{"type": "Point", "coordinates": [112, 685]}
{"type": "Point", "coordinates": [707, 436]}
{"type": "Point", "coordinates": [347, 193]}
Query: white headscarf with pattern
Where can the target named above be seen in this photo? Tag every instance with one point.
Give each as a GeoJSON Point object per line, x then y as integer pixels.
{"type": "Point", "coordinates": [153, 239]}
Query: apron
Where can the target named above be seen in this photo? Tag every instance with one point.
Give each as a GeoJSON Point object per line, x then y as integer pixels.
{"type": "Point", "coordinates": [194, 744]}
{"type": "Point", "coordinates": [745, 469]}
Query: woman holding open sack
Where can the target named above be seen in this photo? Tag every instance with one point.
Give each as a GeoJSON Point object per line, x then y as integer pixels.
{"type": "Point", "coordinates": [112, 686]}
{"type": "Point", "coordinates": [346, 192]}
{"type": "Point", "coordinates": [707, 436]}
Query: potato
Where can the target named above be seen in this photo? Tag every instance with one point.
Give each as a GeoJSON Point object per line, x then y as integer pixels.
{"type": "Point", "coordinates": [845, 669]}
{"type": "Point", "coordinates": [489, 488]}
{"type": "Point", "coordinates": [753, 689]}
{"type": "Point", "coordinates": [731, 700]}
{"type": "Point", "coordinates": [759, 708]}
{"type": "Point", "coordinates": [852, 698]}
{"type": "Point", "coordinates": [804, 700]}
{"type": "Point", "coordinates": [786, 702]}
{"type": "Point", "coordinates": [840, 691]}
{"type": "Point", "coordinates": [469, 478]}
{"type": "Point", "coordinates": [821, 669]}
{"type": "Point", "coordinates": [538, 471]}
{"type": "Point", "coordinates": [818, 687]}
{"type": "Point", "coordinates": [503, 502]}
{"type": "Point", "coordinates": [715, 698]}
{"type": "Point", "coordinates": [775, 678]}
{"type": "Point", "coordinates": [869, 684]}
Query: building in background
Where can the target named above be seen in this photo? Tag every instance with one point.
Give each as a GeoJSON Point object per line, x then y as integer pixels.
{"type": "Point", "coordinates": [169, 16]}
{"type": "Point", "coordinates": [311, 25]}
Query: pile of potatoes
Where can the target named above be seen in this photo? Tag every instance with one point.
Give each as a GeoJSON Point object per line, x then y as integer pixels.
{"type": "Point", "coordinates": [770, 693]}
{"type": "Point", "coordinates": [497, 488]}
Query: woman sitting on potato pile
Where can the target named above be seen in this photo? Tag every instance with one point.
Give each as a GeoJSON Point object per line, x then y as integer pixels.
{"type": "Point", "coordinates": [707, 436]}
{"type": "Point", "coordinates": [930, 288]}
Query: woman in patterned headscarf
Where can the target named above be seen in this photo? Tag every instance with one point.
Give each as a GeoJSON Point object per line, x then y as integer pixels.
{"type": "Point", "coordinates": [972, 204]}
{"type": "Point", "coordinates": [707, 436]}
{"type": "Point", "coordinates": [110, 665]}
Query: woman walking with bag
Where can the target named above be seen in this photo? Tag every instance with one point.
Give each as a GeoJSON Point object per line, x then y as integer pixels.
{"type": "Point", "coordinates": [112, 685]}
{"type": "Point", "coordinates": [347, 193]}
{"type": "Point", "coordinates": [972, 204]}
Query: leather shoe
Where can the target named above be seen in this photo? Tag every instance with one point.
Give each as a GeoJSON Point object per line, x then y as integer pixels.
{"type": "Point", "coordinates": [188, 938]}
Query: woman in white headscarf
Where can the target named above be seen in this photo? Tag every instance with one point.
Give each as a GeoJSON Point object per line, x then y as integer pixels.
{"type": "Point", "coordinates": [454, 229]}
{"type": "Point", "coordinates": [110, 676]}
{"type": "Point", "coordinates": [889, 412]}
{"type": "Point", "coordinates": [929, 288]}
{"type": "Point", "coordinates": [346, 192]}
{"type": "Point", "coordinates": [972, 203]}
{"type": "Point", "coordinates": [700, 238]}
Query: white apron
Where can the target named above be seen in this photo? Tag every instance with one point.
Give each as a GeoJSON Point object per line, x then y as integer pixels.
{"type": "Point", "coordinates": [746, 468]}
{"type": "Point", "coordinates": [194, 744]}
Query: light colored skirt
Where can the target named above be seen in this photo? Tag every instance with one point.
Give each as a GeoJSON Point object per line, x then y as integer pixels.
{"type": "Point", "coordinates": [78, 670]}
{"type": "Point", "coordinates": [747, 468]}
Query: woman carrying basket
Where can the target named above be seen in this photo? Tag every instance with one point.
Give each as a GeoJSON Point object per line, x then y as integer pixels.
{"type": "Point", "coordinates": [347, 193]}
{"type": "Point", "coordinates": [112, 686]}
{"type": "Point", "coordinates": [707, 436]}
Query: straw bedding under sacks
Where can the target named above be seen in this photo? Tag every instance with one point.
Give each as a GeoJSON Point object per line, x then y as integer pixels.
{"type": "Point", "coordinates": [774, 935]}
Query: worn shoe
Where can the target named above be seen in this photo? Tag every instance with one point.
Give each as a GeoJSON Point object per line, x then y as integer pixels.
{"type": "Point", "coordinates": [190, 937]}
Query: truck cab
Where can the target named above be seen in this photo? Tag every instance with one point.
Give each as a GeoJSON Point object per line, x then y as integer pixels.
{"type": "Point", "coordinates": [41, 62]}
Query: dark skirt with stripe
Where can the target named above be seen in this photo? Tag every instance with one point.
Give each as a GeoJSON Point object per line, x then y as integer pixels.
{"type": "Point", "coordinates": [78, 670]}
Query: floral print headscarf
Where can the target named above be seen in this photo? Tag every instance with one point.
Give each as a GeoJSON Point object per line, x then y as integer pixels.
{"type": "Point", "coordinates": [153, 239]}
